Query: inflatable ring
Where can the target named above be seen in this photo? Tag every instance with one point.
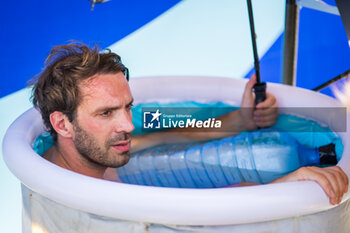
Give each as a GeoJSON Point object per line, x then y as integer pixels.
{"type": "Point", "coordinates": [209, 207]}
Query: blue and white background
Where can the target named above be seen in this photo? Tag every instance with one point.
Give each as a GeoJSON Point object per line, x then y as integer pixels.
{"type": "Point", "coordinates": [157, 37]}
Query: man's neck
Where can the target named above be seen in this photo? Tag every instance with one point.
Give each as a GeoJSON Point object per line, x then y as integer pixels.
{"type": "Point", "coordinates": [65, 155]}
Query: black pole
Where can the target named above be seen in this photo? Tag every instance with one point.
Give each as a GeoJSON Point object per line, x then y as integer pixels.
{"type": "Point", "coordinates": [333, 80]}
{"type": "Point", "coordinates": [253, 36]}
{"type": "Point", "coordinates": [259, 87]}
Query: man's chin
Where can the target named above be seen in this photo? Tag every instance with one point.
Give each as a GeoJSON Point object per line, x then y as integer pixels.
{"type": "Point", "coordinates": [123, 160]}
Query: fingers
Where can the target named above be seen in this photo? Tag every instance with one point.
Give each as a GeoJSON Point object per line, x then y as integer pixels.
{"type": "Point", "coordinates": [332, 180]}
{"type": "Point", "coordinates": [268, 103]}
{"type": "Point", "coordinates": [250, 83]}
{"type": "Point", "coordinates": [340, 182]}
{"type": "Point", "coordinates": [265, 122]}
{"type": "Point", "coordinates": [248, 97]}
{"type": "Point", "coordinates": [343, 175]}
{"type": "Point", "coordinates": [312, 173]}
{"type": "Point", "coordinates": [266, 112]}
{"type": "Point", "coordinates": [338, 186]}
{"type": "Point", "coordinates": [335, 194]}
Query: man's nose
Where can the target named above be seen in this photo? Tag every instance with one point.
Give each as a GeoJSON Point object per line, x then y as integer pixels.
{"type": "Point", "coordinates": [124, 122]}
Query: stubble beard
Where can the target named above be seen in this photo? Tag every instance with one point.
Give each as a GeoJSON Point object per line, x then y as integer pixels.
{"type": "Point", "coordinates": [88, 148]}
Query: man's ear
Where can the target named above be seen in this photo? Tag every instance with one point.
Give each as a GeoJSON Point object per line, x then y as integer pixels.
{"type": "Point", "coordinates": [61, 124]}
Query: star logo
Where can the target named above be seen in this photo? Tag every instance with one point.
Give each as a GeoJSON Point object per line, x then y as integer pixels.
{"type": "Point", "coordinates": [156, 115]}
{"type": "Point", "coordinates": [151, 119]}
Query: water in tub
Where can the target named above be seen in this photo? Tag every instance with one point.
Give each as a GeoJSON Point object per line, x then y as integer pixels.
{"type": "Point", "coordinates": [258, 156]}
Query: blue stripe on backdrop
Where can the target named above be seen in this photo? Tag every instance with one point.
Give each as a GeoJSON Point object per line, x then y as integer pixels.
{"type": "Point", "coordinates": [30, 28]}
{"type": "Point", "coordinates": [271, 63]}
{"type": "Point", "coordinates": [323, 51]}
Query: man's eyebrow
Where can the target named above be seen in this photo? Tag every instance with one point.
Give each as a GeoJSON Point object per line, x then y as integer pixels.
{"type": "Point", "coordinates": [106, 108]}
{"type": "Point", "coordinates": [111, 108]}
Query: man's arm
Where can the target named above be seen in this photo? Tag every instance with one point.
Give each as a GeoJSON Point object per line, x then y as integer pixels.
{"type": "Point", "coordinates": [248, 117]}
{"type": "Point", "coordinates": [333, 180]}
{"type": "Point", "coordinates": [179, 135]}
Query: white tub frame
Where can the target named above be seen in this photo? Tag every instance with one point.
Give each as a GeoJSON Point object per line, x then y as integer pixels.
{"type": "Point", "coordinates": [210, 207]}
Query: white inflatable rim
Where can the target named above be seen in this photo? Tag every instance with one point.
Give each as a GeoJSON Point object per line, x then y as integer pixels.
{"type": "Point", "coordinates": [222, 206]}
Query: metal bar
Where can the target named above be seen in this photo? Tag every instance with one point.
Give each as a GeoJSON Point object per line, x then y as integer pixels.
{"type": "Point", "coordinates": [333, 80]}
{"type": "Point", "coordinates": [344, 8]}
{"type": "Point", "coordinates": [253, 36]}
{"type": "Point", "coordinates": [290, 43]}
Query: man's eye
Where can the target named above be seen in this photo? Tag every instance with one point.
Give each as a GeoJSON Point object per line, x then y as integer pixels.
{"type": "Point", "coordinates": [129, 106]}
{"type": "Point", "coordinates": [106, 113]}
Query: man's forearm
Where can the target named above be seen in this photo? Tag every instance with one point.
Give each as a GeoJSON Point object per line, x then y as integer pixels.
{"type": "Point", "coordinates": [333, 180]}
{"type": "Point", "coordinates": [232, 124]}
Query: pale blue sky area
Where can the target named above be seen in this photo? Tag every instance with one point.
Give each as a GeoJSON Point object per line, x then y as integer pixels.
{"type": "Point", "coordinates": [202, 38]}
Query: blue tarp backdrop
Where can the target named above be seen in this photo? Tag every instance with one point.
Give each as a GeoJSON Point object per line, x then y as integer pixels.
{"type": "Point", "coordinates": [30, 28]}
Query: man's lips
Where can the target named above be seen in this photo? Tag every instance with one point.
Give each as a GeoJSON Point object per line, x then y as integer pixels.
{"type": "Point", "coordinates": [122, 146]}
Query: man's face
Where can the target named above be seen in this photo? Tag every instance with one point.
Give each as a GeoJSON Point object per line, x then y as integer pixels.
{"type": "Point", "coordinates": [103, 123]}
